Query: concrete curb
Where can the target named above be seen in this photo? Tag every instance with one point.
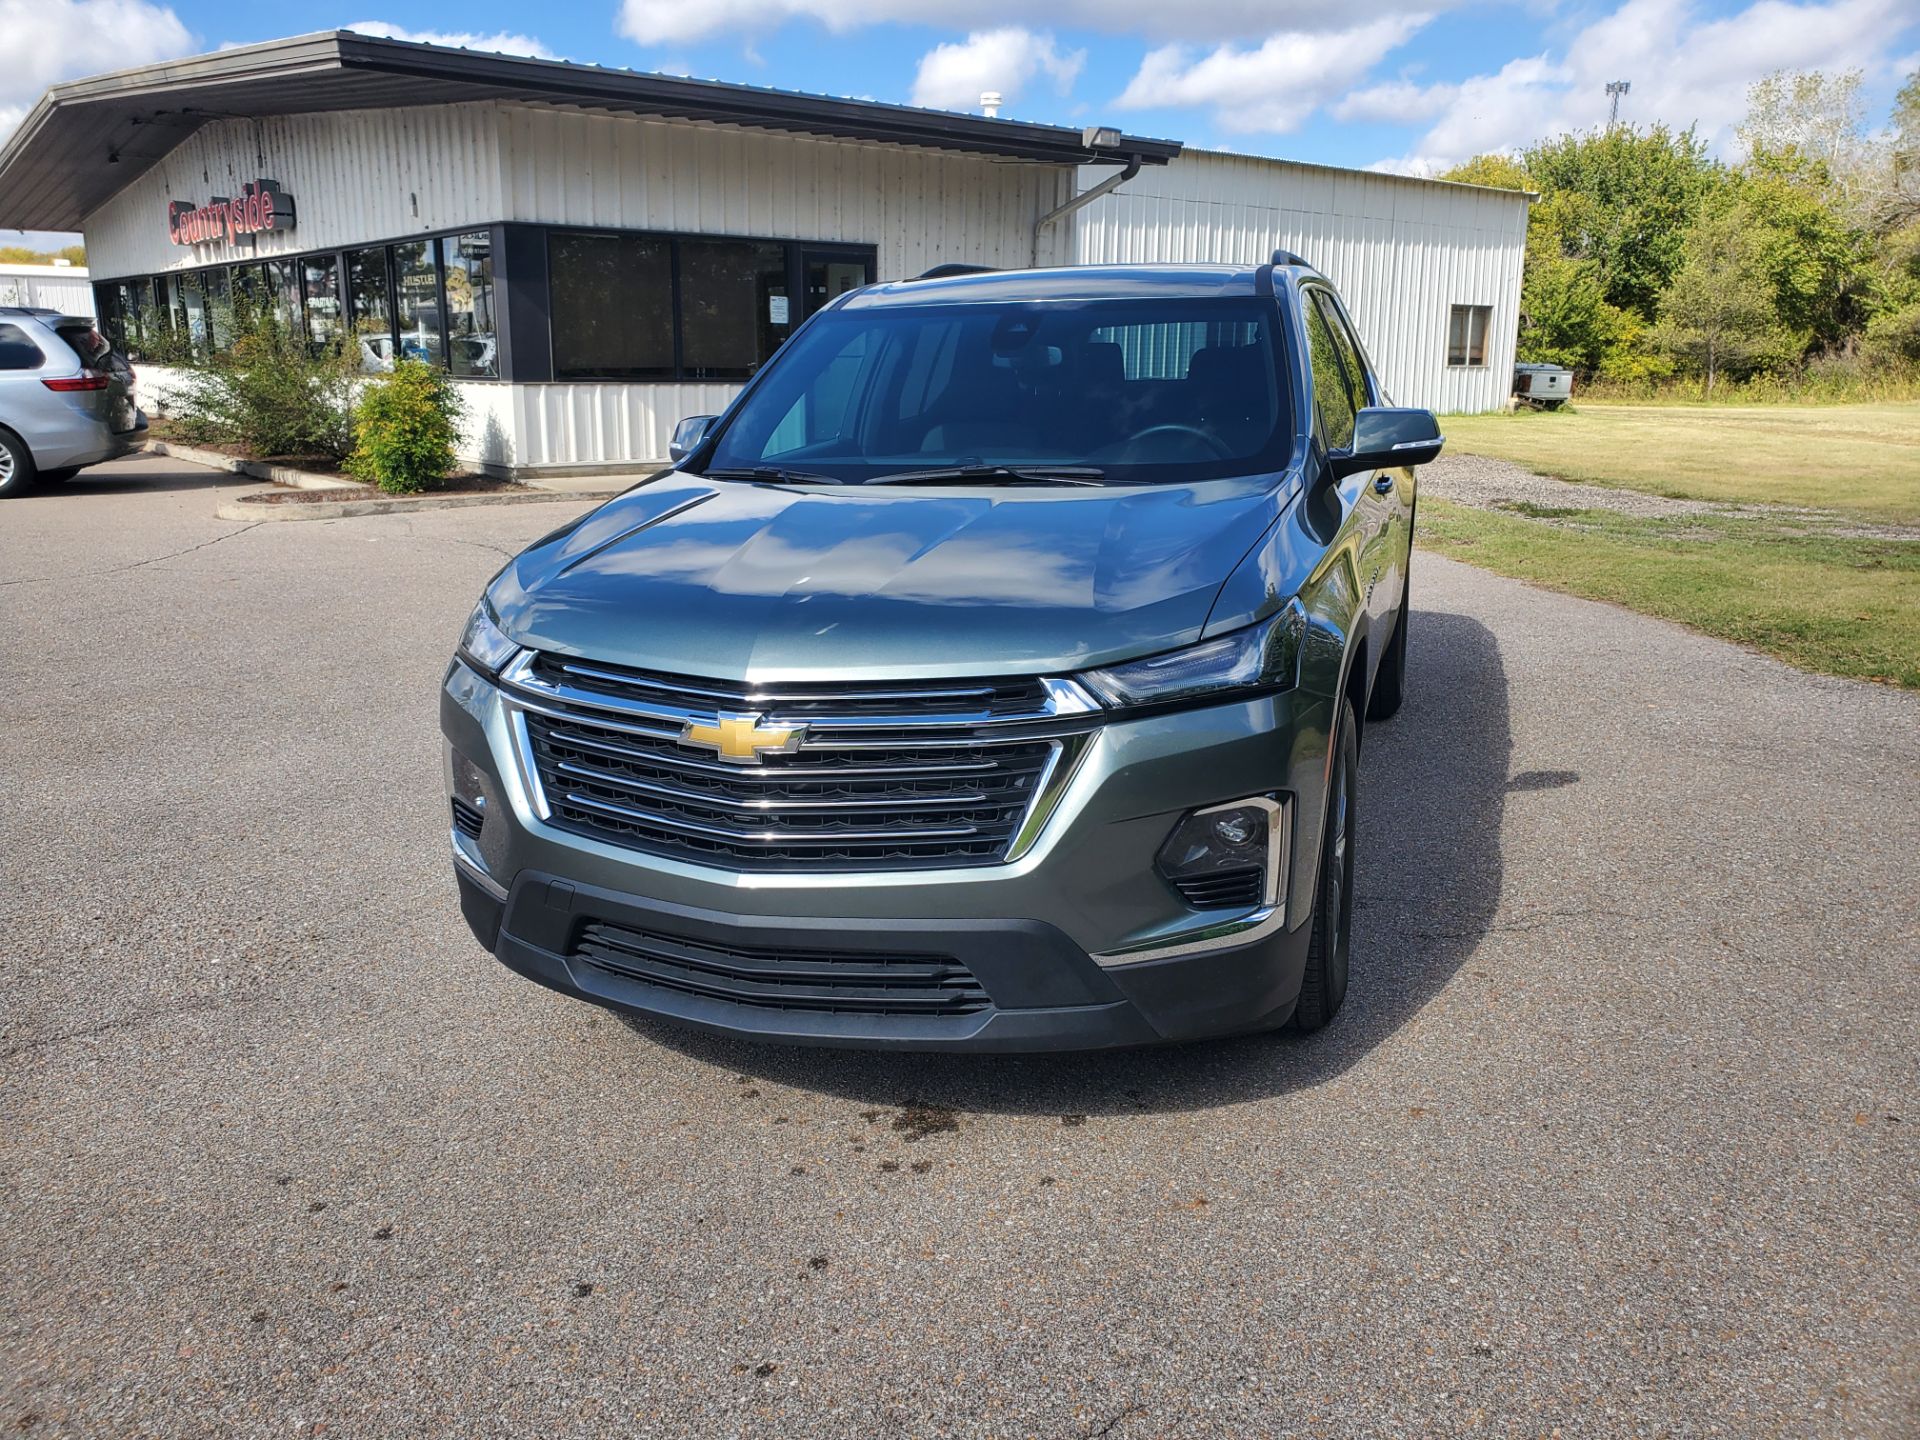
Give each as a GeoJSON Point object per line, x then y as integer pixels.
{"type": "Point", "coordinates": [246, 508]}
{"type": "Point", "coordinates": [253, 469]}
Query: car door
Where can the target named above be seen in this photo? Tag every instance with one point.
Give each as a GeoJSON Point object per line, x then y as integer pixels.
{"type": "Point", "coordinates": [1385, 496]}
{"type": "Point", "coordinates": [1334, 393]}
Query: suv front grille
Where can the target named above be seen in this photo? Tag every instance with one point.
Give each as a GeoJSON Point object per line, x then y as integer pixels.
{"type": "Point", "coordinates": [903, 777]}
{"type": "Point", "coordinates": [848, 982]}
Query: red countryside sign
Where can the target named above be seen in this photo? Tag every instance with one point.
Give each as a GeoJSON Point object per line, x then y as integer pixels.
{"type": "Point", "coordinates": [263, 205]}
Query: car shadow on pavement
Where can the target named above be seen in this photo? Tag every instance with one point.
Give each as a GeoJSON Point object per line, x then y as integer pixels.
{"type": "Point", "coordinates": [1433, 788]}
{"type": "Point", "coordinates": [121, 480]}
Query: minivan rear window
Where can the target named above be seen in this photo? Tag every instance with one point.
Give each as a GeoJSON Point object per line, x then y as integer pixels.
{"type": "Point", "coordinates": [1157, 389]}
{"type": "Point", "coordinates": [86, 342]}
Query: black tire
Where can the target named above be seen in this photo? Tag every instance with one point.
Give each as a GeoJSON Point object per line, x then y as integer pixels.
{"type": "Point", "coordinates": [1390, 680]}
{"type": "Point", "coordinates": [16, 465]}
{"type": "Point", "coordinates": [1330, 947]}
{"type": "Point", "coordinates": [64, 473]}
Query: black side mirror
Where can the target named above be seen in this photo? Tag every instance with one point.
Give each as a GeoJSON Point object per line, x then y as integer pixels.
{"type": "Point", "coordinates": [688, 436]}
{"type": "Point", "coordinates": [1387, 437]}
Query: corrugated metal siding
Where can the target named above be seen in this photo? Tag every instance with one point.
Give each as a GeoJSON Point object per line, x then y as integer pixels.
{"type": "Point", "coordinates": [54, 287]}
{"type": "Point", "coordinates": [355, 176]}
{"type": "Point", "coordinates": [1401, 252]}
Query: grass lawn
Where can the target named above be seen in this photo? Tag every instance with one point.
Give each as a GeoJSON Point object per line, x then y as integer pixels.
{"type": "Point", "coordinates": [1844, 607]}
{"type": "Point", "coordinates": [1862, 459]}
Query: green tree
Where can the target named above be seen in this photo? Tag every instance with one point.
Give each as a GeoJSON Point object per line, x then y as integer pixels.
{"type": "Point", "coordinates": [1623, 198]}
{"type": "Point", "coordinates": [1496, 171]}
{"type": "Point", "coordinates": [1718, 313]}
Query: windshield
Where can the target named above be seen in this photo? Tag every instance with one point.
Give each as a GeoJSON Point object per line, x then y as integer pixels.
{"type": "Point", "coordinates": [1124, 391]}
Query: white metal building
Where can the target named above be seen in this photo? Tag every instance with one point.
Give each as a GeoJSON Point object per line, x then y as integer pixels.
{"type": "Point", "coordinates": [596, 253]}
{"type": "Point", "coordinates": [50, 287]}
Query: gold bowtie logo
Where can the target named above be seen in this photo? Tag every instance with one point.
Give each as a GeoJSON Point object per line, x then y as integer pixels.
{"type": "Point", "coordinates": [742, 738]}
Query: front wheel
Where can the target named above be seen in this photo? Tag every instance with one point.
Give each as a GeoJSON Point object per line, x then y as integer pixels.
{"type": "Point", "coordinates": [1324, 984]}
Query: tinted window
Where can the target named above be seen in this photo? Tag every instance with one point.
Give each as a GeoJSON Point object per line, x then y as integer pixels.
{"type": "Point", "coordinates": [611, 299]}
{"type": "Point", "coordinates": [320, 281]}
{"type": "Point", "coordinates": [1143, 389]}
{"type": "Point", "coordinates": [87, 343]}
{"type": "Point", "coordinates": [1349, 352]}
{"type": "Point", "coordinates": [416, 301]}
{"type": "Point", "coordinates": [372, 307]}
{"type": "Point", "coordinates": [17, 350]}
{"type": "Point", "coordinates": [1330, 388]}
{"type": "Point", "coordinates": [467, 262]}
{"type": "Point", "coordinates": [734, 307]}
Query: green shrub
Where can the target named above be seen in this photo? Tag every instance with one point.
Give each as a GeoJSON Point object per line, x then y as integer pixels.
{"type": "Point", "coordinates": [405, 428]}
{"type": "Point", "coordinates": [269, 392]}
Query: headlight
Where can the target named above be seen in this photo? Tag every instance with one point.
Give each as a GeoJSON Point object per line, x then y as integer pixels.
{"type": "Point", "coordinates": [483, 645]}
{"type": "Point", "coordinates": [1265, 656]}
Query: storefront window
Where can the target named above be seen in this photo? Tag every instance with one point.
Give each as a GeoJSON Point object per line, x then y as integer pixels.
{"type": "Point", "coordinates": [282, 297]}
{"type": "Point", "coordinates": [372, 307]}
{"type": "Point", "coordinates": [734, 307]}
{"type": "Point", "coordinates": [320, 280]}
{"type": "Point", "coordinates": [472, 344]}
{"type": "Point", "coordinates": [416, 301]}
{"type": "Point", "coordinates": [611, 299]}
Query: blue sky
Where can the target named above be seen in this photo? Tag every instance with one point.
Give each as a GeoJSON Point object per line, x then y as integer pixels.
{"type": "Point", "coordinates": [1409, 85]}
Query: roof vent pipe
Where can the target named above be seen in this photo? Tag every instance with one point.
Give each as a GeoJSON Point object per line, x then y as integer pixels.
{"type": "Point", "coordinates": [1085, 197]}
{"type": "Point", "coordinates": [990, 103]}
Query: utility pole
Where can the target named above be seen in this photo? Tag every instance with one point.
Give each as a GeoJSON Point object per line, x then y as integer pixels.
{"type": "Point", "coordinates": [1615, 89]}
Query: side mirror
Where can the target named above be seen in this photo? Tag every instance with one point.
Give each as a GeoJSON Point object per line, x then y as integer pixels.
{"type": "Point", "coordinates": [688, 436]}
{"type": "Point", "coordinates": [1387, 437]}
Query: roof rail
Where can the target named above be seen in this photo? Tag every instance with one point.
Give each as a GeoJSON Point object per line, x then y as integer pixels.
{"type": "Point", "coordinates": [1287, 257]}
{"type": "Point", "coordinates": [941, 272]}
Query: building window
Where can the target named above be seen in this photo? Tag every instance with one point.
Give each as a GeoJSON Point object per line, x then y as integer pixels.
{"type": "Point", "coordinates": [1467, 334]}
{"type": "Point", "coordinates": [283, 293]}
{"type": "Point", "coordinates": [472, 340]}
{"type": "Point", "coordinates": [416, 302]}
{"type": "Point", "coordinates": [735, 310]}
{"type": "Point", "coordinates": [371, 299]}
{"type": "Point", "coordinates": [320, 286]}
{"type": "Point", "coordinates": [611, 299]}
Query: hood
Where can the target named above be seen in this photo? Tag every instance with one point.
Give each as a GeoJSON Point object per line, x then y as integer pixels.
{"type": "Point", "coordinates": [743, 581]}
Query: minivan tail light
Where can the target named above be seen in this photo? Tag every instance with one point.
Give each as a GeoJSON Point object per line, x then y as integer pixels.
{"type": "Point", "coordinates": [77, 382]}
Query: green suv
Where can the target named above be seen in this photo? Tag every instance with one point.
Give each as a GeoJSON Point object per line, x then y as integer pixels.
{"type": "Point", "coordinates": [990, 676]}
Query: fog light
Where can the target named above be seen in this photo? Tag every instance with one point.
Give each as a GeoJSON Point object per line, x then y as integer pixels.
{"type": "Point", "coordinates": [472, 798]}
{"type": "Point", "coordinates": [1227, 855]}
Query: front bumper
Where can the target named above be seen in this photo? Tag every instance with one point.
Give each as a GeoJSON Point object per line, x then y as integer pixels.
{"type": "Point", "coordinates": [1078, 945]}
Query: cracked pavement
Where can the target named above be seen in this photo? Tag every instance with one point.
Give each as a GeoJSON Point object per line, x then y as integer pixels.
{"type": "Point", "coordinates": [1616, 1134]}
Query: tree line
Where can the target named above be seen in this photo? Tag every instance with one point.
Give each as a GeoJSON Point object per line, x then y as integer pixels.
{"type": "Point", "coordinates": [1651, 263]}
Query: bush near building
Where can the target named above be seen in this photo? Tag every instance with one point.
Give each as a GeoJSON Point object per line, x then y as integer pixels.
{"type": "Point", "coordinates": [405, 428]}
{"type": "Point", "coordinates": [270, 393]}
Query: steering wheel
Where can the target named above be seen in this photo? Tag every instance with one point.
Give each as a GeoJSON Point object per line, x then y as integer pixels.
{"type": "Point", "coordinates": [1212, 442]}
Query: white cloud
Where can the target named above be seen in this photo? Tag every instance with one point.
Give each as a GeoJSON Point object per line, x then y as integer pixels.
{"type": "Point", "coordinates": [47, 41]}
{"type": "Point", "coordinates": [506, 42]}
{"type": "Point", "coordinates": [1271, 88]}
{"type": "Point", "coordinates": [953, 76]}
{"type": "Point", "coordinates": [677, 22]}
{"type": "Point", "coordinates": [1685, 70]}
{"type": "Point", "coordinates": [1398, 102]}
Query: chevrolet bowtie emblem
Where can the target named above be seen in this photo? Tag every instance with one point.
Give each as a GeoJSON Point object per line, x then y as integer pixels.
{"type": "Point", "coordinates": [742, 738]}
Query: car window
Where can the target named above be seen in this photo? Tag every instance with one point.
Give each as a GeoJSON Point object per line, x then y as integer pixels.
{"type": "Point", "coordinates": [17, 350]}
{"type": "Point", "coordinates": [87, 343]}
{"type": "Point", "coordinates": [1157, 389]}
{"type": "Point", "coordinates": [1330, 387]}
{"type": "Point", "coordinates": [1349, 349]}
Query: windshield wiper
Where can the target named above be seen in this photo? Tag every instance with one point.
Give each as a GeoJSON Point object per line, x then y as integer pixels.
{"type": "Point", "coordinates": [1019, 474]}
{"type": "Point", "coordinates": [775, 474]}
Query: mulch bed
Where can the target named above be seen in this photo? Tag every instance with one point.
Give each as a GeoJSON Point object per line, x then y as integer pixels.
{"type": "Point", "coordinates": [459, 485]}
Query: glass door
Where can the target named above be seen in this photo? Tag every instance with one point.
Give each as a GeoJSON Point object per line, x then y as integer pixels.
{"type": "Point", "coordinates": [830, 273]}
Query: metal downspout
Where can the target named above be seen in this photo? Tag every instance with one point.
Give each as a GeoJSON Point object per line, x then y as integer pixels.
{"type": "Point", "coordinates": [1086, 197]}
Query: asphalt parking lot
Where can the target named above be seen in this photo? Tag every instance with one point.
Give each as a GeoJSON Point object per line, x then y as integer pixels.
{"type": "Point", "coordinates": [1616, 1135]}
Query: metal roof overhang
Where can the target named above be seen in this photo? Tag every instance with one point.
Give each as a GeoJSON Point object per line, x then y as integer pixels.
{"type": "Point", "coordinates": [87, 140]}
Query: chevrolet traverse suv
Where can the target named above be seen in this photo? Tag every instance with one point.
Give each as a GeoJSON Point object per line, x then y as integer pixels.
{"type": "Point", "coordinates": [990, 676]}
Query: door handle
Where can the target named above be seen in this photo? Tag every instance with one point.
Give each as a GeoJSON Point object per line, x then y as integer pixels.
{"type": "Point", "coordinates": [1383, 484]}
